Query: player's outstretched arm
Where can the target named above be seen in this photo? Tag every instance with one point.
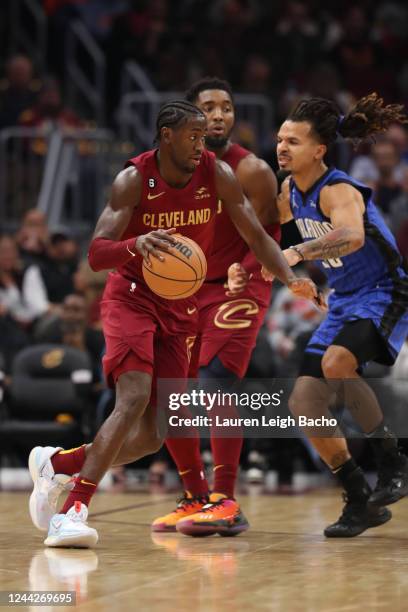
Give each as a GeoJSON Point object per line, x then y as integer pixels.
{"type": "Point", "coordinates": [259, 185]}
{"type": "Point", "coordinates": [107, 250]}
{"type": "Point", "coordinates": [344, 206]}
{"type": "Point", "coordinates": [265, 248]}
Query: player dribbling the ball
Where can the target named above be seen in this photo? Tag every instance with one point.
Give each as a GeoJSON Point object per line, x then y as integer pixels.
{"type": "Point", "coordinates": [147, 337]}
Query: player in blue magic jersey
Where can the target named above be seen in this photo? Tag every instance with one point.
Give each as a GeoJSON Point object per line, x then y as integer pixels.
{"type": "Point", "coordinates": [367, 317]}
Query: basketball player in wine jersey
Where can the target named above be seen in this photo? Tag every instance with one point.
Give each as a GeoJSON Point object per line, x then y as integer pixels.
{"type": "Point", "coordinates": [147, 337]}
{"type": "Point", "coordinates": [232, 304]}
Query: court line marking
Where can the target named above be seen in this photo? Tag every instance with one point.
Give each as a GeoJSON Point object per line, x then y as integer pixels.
{"type": "Point", "coordinates": [131, 507]}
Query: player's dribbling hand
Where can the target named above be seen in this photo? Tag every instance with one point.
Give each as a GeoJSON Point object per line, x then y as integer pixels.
{"type": "Point", "coordinates": [266, 275]}
{"type": "Point", "coordinates": [155, 243]}
{"type": "Point", "coordinates": [238, 278]}
{"type": "Point", "coordinates": [305, 287]}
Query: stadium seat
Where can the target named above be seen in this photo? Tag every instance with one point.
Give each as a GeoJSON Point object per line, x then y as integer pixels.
{"type": "Point", "coordinates": [48, 401]}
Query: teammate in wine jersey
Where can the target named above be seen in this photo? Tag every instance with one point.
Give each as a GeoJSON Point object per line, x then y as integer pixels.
{"type": "Point", "coordinates": [232, 304]}
{"type": "Point", "coordinates": [368, 308]}
{"type": "Point", "coordinates": [147, 337]}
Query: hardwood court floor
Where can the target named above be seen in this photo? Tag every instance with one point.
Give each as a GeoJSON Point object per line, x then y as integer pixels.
{"type": "Point", "coordinates": [282, 564]}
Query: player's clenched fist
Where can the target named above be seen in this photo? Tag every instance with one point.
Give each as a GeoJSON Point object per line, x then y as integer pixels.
{"type": "Point", "coordinates": [154, 242]}
{"type": "Point", "coordinates": [238, 278]}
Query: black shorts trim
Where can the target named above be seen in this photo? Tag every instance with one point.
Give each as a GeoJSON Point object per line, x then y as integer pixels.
{"type": "Point", "coordinates": [360, 337]}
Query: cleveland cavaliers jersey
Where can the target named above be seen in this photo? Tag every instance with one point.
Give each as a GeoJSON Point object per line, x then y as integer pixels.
{"type": "Point", "coordinates": [191, 209]}
{"type": "Point", "coordinates": [376, 260]}
{"type": "Point", "coordinates": [228, 247]}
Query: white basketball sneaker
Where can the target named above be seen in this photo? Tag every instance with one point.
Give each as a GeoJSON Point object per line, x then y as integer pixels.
{"type": "Point", "coordinates": [70, 530]}
{"type": "Point", "coordinates": [48, 486]}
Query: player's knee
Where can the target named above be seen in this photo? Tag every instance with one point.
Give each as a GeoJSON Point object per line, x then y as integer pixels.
{"type": "Point", "coordinates": [133, 404]}
{"type": "Point", "coordinates": [338, 362]}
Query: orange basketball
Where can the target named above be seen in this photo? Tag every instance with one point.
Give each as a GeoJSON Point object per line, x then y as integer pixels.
{"type": "Point", "coordinates": [182, 272]}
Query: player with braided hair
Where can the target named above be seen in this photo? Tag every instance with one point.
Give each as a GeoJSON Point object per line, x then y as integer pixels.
{"type": "Point", "coordinates": [175, 114]}
{"type": "Point", "coordinates": [367, 319]}
{"type": "Point", "coordinates": [147, 337]}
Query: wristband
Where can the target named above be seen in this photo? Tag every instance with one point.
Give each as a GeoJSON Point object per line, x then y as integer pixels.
{"type": "Point", "coordinates": [298, 251]}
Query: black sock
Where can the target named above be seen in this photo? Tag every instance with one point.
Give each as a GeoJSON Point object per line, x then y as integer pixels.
{"type": "Point", "coordinates": [383, 442]}
{"type": "Point", "coordinates": [353, 480]}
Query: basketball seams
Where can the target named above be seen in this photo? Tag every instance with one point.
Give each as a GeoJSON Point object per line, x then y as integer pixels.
{"type": "Point", "coordinates": [179, 266]}
{"type": "Point", "coordinates": [176, 280]}
{"type": "Point", "coordinates": [198, 253]}
{"type": "Point", "coordinates": [178, 295]}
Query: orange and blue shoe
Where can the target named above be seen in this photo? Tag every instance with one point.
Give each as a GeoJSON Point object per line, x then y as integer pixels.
{"type": "Point", "coordinates": [187, 505]}
{"type": "Point", "coordinates": [220, 515]}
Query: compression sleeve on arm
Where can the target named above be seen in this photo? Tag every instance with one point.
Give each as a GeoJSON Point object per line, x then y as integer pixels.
{"type": "Point", "coordinates": [105, 254]}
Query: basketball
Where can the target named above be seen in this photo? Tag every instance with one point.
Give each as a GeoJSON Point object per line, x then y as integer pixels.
{"type": "Point", "coordinates": [182, 272]}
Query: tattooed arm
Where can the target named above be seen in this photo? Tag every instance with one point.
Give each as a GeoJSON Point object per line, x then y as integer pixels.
{"type": "Point", "coordinates": [344, 206]}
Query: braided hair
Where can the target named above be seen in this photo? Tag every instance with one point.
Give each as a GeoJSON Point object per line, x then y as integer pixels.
{"type": "Point", "coordinates": [369, 116]}
{"type": "Point", "coordinates": [207, 83]}
{"type": "Point", "coordinates": [174, 114]}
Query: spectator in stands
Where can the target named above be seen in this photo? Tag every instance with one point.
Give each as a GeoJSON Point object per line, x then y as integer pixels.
{"type": "Point", "coordinates": [23, 299]}
{"type": "Point", "coordinates": [142, 34]}
{"type": "Point", "coordinates": [18, 91]}
{"type": "Point", "coordinates": [90, 285]}
{"type": "Point", "coordinates": [298, 35]}
{"type": "Point", "coordinates": [324, 82]}
{"type": "Point", "coordinates": [382, 171]}
{"type": "Point", "coordinates": [22, 292]}
{"type": "Point", "coordinates": [49, 110]}
{"type": "Point", "coordinates": [70, 327]}
{"type": "Point", "coordinates": [390, 29]}
{"type": "Point", "coordinates": [32, 237]}
{"type": "Point", "coordinates": [399, 205]}
{"type": "Point", "coordinates": [387, 186]}
{"type": "Point", "coordinates": [256, 75]}
{"type": "Point", "coordinates": [358, 58]}
{"type": "Point", "coordinates": [58, 269]}
{"type": "Point", "coordinates": [398, 135]}
{"type": "Point", "coordinates": [290, 321]}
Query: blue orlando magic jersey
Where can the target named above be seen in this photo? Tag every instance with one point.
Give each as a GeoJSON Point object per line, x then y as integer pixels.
{"type": "Point", "coordinates": [376, 261]}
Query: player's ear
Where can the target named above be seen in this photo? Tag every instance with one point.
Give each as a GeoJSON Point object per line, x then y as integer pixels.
{"type": "Point", "coordinates": [165, 134]}
{"type": "Point", "coordinates": [321, 151]}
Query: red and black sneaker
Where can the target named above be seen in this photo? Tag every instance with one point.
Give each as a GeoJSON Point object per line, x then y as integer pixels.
{"type": "Point", "coordinates": [220, 515]}
{"type": "Point", "coordinates": [186, 505]}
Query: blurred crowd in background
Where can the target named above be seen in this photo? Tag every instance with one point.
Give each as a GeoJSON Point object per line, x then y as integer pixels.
{"type": "Point", "coordinates": [284, 50]}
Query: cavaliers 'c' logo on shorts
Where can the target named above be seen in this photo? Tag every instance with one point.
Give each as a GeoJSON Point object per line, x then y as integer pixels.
{"type": "Point", "coordinates": [230, 315]}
